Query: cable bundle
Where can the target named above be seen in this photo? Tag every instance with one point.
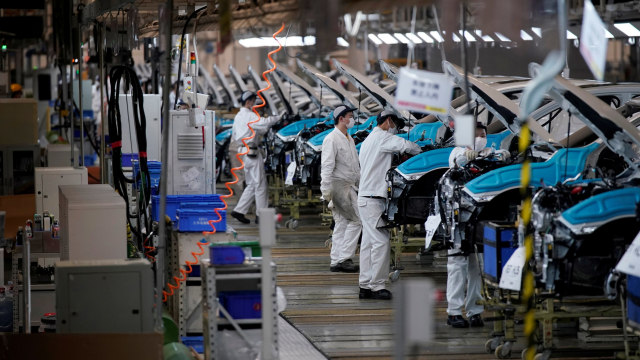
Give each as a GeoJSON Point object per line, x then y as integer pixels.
{"type": "Point", "coordinates": [116, 75]}
{"type": "Point", "coordinates": [203, 243]}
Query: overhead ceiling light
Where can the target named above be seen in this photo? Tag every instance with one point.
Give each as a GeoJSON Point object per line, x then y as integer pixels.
{"type": "Point", "coordinates": [251, 42]}
{"type": "Point", "coordinates": [423, 35]}
{"type": "Point", "coordinates": [374, 39]}
{"type": "Point", "coordinates": [628, 29]}
{"type": "Point", "coordinates": [537, 31]}
{"type": "Point", "coordinates": [607, 34]}
{"type": "Point", "coordinates": [403, 39]}
{"type": "Point", "coordinates": [525, 36]}
{"type": "Point", "coordinates": [571, 36]}
{"type": "Point", "coordinates": [468, 36]}
{"type": "Point", "coordinates": [502, 37]}
{"type": "Point", "coordinates": [309, 40]}
{"type": "Point", "coordinates": [414, 38]}
{"type": "Point", "coordinates": [387, 38]}
{"type": "Point", "coordinates": [342, 42]}
{"type": "Point", "coordinates": [436, 36]}
{"type": "Point", "coordinates": [290, 41]}
{"type": "Point", "coordinates": [485, 38]}
{"type": "Point", "coordinates": [455, 37]}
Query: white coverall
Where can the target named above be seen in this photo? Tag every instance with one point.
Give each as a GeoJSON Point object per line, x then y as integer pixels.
{"type": "Point", "coordinates": [253, 165]}
{"type": "Point", "coordinates": [463, 272]}
{"type": "Point", "coordinates": [376, 155]}
{"type": "Point", "coordinates": [340, 175]}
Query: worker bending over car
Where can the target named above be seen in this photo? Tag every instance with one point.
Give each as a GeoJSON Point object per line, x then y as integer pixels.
{"type": "Point", "coordinates": [464, 283]}
{"type": "Point", "coordinates": [376, 155]}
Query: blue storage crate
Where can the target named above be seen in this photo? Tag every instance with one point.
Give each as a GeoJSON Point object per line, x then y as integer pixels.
{"type": "Point", "coordinates": [174, 202]}
{"type": "Point", "coordinates": [226, 255]}
{"type": "Point", "coordinates": [155, 170]}
{"type": "Point", "coordinates": [195, 342]}
{"type": "Point", "coordinates": [633, 301]}
{"type": "Point", "coordinates": [500, 242]}
{"type": "Point", "coordinates": [242, 304]}
{"type": "Point", "coordinates": [127, 159]}
{"type": "Point", "coordinates": [198, 220]}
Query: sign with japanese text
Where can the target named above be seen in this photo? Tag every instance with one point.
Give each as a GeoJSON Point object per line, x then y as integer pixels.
{"type": "Point", "coordinates": [593, 41]}
{"type": "Point", "coordinates": [423, 91]}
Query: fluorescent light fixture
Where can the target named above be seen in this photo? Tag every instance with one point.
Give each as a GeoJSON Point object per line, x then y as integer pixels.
{"type": "Point", "coordinates": [571, 36]}
{"type": "Point", "coordinates": [423, 35]}
{"type": "Point", "coordinates": [502, 37]}
{"type": "Point", "coordinates": [485, 38]}
{"type": "Point", "coordinates": [291, 41]}
{"type": "Point", "coordinates": [414, 38]}
{"type": "Point", "coordinates": [468, 36]}
{"type": "Point", "coordinates": [537, 31]}
{"type": "Point", "coordinates": [374, 39]}
{"type": "Point", "coordinates": [455, 37]}
{"type": "Point", "coordinates": [294, 41]}
{"type": "Point", "coordinates": [525, 36]}
{"type": "Point", "coordinates": [342, 42]}
{"type": "Point", "coordinates": [387, 38]}
{"type": "Point", "coordinates": [403, 39]}
{"type": "Point", "coordinates": [436, 36]}
{"type": "Point", "coordinates": [251, 42]}
{"type": "Point", "coordinates": [628, 29]}
{"type": "Point", "coordinates": [607, 34]}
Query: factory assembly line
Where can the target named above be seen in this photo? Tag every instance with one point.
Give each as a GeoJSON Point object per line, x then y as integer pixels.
{"type": "Point", "coordinates": [284, 179]}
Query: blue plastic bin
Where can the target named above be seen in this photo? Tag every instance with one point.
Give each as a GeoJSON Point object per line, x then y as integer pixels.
{"type": "Point", "coordinates": [175, 202]}
{"type": "Point", "coordinates": [196, 342]}
{"type": "Point", "coordinates": [633, 301]}
{"type": "Point", "coordinates": [155, 169]}
{"type": "Point", "coordinates": [242, 304]}
{"type": "Point", "coordinates": [127, 159]}
{"type": "Point", "coordinates": [500, 242]}
{"type": "Point", "coordinates": [226, 255]}
{"type": "Point", "coordinates": [198, 220]}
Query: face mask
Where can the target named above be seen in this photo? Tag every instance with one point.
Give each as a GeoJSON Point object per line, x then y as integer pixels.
{"type": "Point", "coordinates": [392, 131]}
{"type": "Point", "coordinates": [351, 123]}
{"type": "Point", "coordinates": [481, 143]}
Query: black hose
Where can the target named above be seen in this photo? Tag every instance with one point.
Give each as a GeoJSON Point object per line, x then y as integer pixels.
{"type": "Point", "coordinates": [184, 31]}
{"type": "Point", "coordinates": [115, 135]}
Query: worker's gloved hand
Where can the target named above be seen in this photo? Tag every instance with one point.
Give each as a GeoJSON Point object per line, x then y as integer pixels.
{"type": "Point", "coordinates": [326, 195]}
{"type": "Point", "coordinates": [504, 155]}
{"type": "Point", "coordinates": [470, 154]}
{"type": "Point", "coordinates": [485, 152]}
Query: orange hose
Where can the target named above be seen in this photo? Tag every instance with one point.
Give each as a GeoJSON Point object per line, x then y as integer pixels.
{"type": "Point", "coordinates": [195, 255]}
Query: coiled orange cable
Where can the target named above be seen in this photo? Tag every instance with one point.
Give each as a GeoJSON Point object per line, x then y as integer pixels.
{"type": "Point", "coordinates": [203, 242]}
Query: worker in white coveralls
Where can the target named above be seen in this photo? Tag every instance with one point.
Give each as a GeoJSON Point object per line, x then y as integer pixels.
{"type": "Point", "coordinates": [340, 175]}
{"type": "Point", "coordinates": [376, 155]}
{"type": "Point", "coordinates": [254, 174]}
{"type": "Point", "coordinates": [463, 270]}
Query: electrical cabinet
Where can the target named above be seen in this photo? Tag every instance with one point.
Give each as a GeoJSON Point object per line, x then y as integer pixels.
{"type": "Point", "coordinates": [59, 155]}
{"type": "Point", "coordinates": [107, 296]}
{"type": "Point", "coordinates": [47, 182]}
{"type": "Point", "coordinates": [152, 105]}
{"type": "Point", "coordinates": [191, 165]}
{"type": "Point", "coordinates": [17, 164]}
{"type": "Point", "coordinates": [92, 223]}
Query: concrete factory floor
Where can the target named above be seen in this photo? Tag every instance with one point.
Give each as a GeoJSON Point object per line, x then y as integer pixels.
{"type": "Point", "coordinates": [325, 308]}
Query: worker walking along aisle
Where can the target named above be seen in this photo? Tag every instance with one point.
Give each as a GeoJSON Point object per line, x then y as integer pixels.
{"type": "Point", "coordinates": [253, 162]}
{"type": "Point", "coordinates": [340, 175]}
{"type": "Point", "coordinates": [376, 155]}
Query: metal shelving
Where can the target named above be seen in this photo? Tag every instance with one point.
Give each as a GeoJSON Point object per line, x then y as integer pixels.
{"type": "Point", "coordinates": [231, 278]}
